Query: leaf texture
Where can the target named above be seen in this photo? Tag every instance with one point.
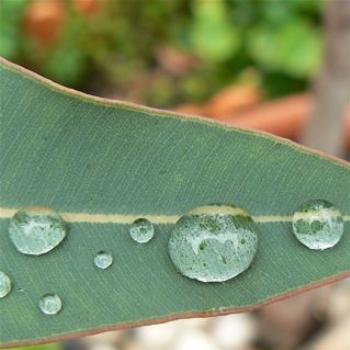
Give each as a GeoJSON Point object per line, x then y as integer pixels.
{"type": "Point", "coordinates": [102, 164]}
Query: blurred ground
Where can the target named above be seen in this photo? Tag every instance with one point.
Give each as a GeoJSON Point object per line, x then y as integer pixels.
{"type": "Point", "coordinates": [248, 63]}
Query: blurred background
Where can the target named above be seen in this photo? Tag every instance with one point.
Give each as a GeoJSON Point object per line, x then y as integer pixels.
{"type": "Point", "coordinates": [281, 66]}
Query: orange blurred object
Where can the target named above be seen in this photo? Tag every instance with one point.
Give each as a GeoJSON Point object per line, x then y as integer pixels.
{"type": "Point", "coordinates": [285, 117]}
{"type": "Point", "coordinates": [44, 20]}
{"type": "Point", "coordinates": [227, 103]}
{"type": "Point", "coordinates": [87, 7]}
{"type": "Point", "coordinates": [234, 98]}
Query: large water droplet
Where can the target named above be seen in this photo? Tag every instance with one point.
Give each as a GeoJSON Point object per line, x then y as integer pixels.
{"type": "Point", "coordinates": [142, 230]}
{"type": "Point", "coordinates": [213, 243]}
{"type": "Point", "coordinates": [5, 284]}
{"type": "Point", "coordinates": [103, 260]}
{"type": "Point", "coordinates": [50, 304]}
{"type": "Point", "coordinates": [36, 231]}
{"type": "Point", "coordinates": [318, 225]}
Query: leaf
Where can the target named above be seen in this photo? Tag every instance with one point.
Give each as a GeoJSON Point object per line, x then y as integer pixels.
{"type": "Point", "coordinates": [213, 36]}
{"type": "Point", "coordinates": [102, 164]}
{"type": "Point", "coordinates": [54, 346]}
{"type": "Point", "coordinates": [11, 12]}
{"type": "Point", "coordinates": [293, 47]}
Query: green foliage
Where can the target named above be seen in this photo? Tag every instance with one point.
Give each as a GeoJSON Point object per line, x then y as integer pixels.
{"type": "Point", "coordinates": [120, 43]}
{"type": "Point", "coordinates": [68, 61]}
{"type": "Point", "coordinates": [212, 35]}
{"type": "Point", "coordinates": [11, 13]}
{"type": "Point", "coordinates": [293, 48]}
{"type": "Point", "coordinates": [54, 346]}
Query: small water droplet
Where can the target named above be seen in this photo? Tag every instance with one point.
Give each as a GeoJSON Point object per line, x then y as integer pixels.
{"type": "Point", "coordinates": [142, 231]}
{"type": "Point", "coordinates": [50, 304]}
{"type": "Point", "coordinates": [213, 243]}
{"type": "Point", "coordinates": [103, 260]}
{"type": "Point", "coordinates": [5, 285]}
{"type": "Point", "coordinates": [36, 231]}
{"type": "Point", "coordinates": [318, 225]}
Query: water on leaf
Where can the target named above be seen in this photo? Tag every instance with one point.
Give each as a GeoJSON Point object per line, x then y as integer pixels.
{"type": "Point", "coordinates": [50, 304]}
{"type": "Point", "coordinates": [142, 230]}
{"type": "Point", "coordinates": [5, 284]}
{"type": "Point", "coordinates": [103, 260]}
{"type": "Point", "coordinates": [36, 231]}
{"type": "Point", "coordinates": [213, 243]}
{"type": "Point", "coordinates": [318, 225]}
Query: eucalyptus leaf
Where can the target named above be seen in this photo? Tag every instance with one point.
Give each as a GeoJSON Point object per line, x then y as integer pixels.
{"type": "Point", "coordinates": [103, 164]}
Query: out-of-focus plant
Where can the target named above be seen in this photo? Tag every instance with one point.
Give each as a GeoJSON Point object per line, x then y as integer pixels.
{"type": "Point", "coordinates": [165, 52]}
{"type": "Point", "coordinates": [52, 346]}
{"type": "Point", "coordinates": [11, 14]}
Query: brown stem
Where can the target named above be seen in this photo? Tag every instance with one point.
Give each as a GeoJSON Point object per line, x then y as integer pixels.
{"type": "Point", "coordinates": [325, 130]}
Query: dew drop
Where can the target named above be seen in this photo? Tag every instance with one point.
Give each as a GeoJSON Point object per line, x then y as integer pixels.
{"type": "Point", "coordinates": [318, 225]}
{"type": "Point", "coordinates": [142, 231]}
{"type": "Point", "coordinates": [103, 260]}
{"type": "Point", "coordinates": [50, 304]}
{"type": "Point", "coordinates": [213, 243]}
{"type": "Point", "coordinates": [36, 231]}
{"type": "Point", "coordinates": [5, 285]}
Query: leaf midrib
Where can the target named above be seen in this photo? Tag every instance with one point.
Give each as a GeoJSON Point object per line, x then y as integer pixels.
{"type": "Point", "coordinates": [7, 213]}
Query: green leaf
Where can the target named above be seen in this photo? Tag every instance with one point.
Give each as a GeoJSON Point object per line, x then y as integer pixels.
{"type": "Point", "coordinates": [11, 12]}
{"type": "Point", "coordinates": [293, 47]}
{"type": "Point", "coordinates": [213, 37]}
{"type": "Point", "coordinates": [54, 346]}
{"type": "Point", "coordinates": [101, 164]}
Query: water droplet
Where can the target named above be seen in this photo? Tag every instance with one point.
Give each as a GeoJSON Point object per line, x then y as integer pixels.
{"type": "Point", "coordinates": [50, 304]}
{"type": "Point", "coordinates": [36, 231]}
{"type": "Point", "coordinates": [142, 231]}
{"type": "Point", "coordinates": [318, 225]}
{"type": "Point", "coordinates": [5, 285]}
{"type": "Point", "coordinates": [213, 243]}
{"type": "Point", "coordinates": [103, 260]}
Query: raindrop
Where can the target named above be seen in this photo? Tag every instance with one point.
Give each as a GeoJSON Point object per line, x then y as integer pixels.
{"type": "Point", "coordinates": [36, 231]}
{"type": "Point", "coordinates": [103, 260]}
{"type": "Point", "coordinates": [213, 243]}
{"type": "Point", "coordinates": [5, 285]}
{"type": "Point", "coordinates": [50, 304]}
{"type": "Point", "coordinates": [318, 225]}
{"type": "Point", "coordinates": [142, 231]}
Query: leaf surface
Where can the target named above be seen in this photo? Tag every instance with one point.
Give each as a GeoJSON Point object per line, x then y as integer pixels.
{"type": "Point", "coordinates": [102, 164]}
